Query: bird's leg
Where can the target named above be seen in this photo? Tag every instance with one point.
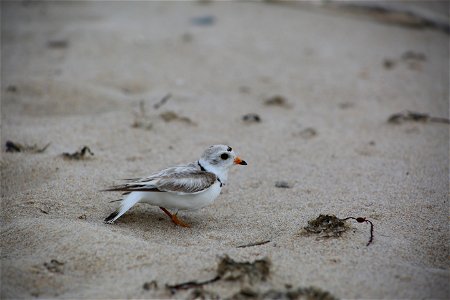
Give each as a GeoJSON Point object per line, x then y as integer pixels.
{"type": "Point", "coordinates": [174, 218]}
{"type": "Point", "coordinates": [166, 212]}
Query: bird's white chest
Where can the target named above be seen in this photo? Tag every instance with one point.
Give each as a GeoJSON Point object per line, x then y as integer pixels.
{"type": "Point", "coordinates": [208, 196]}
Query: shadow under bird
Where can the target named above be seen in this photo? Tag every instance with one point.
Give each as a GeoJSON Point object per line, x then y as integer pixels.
{"type": "Point", "coordinates": [184, 187]}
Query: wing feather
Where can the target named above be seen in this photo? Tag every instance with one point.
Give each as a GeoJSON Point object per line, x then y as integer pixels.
{"type": "Point", "coordinates": [189, 182]}
{"type": "Point", "coordinates": [182, 179]}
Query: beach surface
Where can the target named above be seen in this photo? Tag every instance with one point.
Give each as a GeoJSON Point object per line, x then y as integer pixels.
{"type": "Point", "coordinates": [323, 83]}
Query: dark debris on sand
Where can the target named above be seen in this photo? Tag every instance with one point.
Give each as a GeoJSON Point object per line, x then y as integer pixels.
{"type": "Point", "coordinates": [251, 118]}
{"type": "Point", "coordinates": [412, 116]}
{"type": "Point", "coordinates": [12, 89]}
{"type": "Point", "coordinates": [307, 133]}
{"type": "Point", "coordinates": [326, 226]}
{"type": "Point", "coordinates": [301, 293]}
{"type": "Point", "coordinates": [283, 184]}
{"type": "Point", "coordinates": [230, 270]}
{"type": "Point", "coordinates": [151, 285]}
{"type": "Point", "coordinates": [170, 116]}
{"type": "Point", "coordinates": [16, 147]}
{"type": "Point", "coordinates": [330, 226]}
{"type": "Point", "coordinates": [57, 44]}
{"type": "Point", "coordinates": [413, 60]}
{"type": "Point", "coordinates": [206, 20]}
{"type": "Point", "coordinates": [277, 101]}
{"type": "Point", "coordinates": [78, 155]}
{"type": "Point", "coordinates": [54, 266]}
{"type": "Point", "coordinates": [250, 278]}
{"type": "Point", "coordinates": [201, 294]}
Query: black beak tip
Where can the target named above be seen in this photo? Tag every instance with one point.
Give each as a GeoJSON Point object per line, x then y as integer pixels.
{"type": "Point", "coordinates": [244, 163]}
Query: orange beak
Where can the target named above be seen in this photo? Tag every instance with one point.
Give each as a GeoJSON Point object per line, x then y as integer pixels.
{"type": "Point", "coordinates": [239, 161]}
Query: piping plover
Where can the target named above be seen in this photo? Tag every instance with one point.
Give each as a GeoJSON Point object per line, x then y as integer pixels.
{"type": "Point", "coordinates": [185, 187]}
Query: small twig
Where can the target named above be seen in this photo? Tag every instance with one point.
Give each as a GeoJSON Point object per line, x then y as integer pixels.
{"type": "Point", "coordinates": [43, 148]}
{"type": "Point", "coordinates": [162, 101]}
{"type": "Point", "coordinates": [115, 200]}
{"type": "Point", "coordinates": [363, 220]}
{"type": "Point", "coordinates": [190, 284]}
{"type": "Point", "coordinates": [43, 211]}
{"type": "Point", "coordinates": [416, 117]}
{"type": "Point", "coordinates": [254, 244]}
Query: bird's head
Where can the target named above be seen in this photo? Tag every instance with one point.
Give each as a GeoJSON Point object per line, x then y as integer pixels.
{"type": "Point", "coordinates": [220, 157]}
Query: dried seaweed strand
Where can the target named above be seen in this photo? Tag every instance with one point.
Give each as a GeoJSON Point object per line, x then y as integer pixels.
{"type": "Point", "coordinates": [254, 244]}
{"type": "Point", "coordinates": [363, 220]}
{"type": "Point", "coordinates": [191, 284]}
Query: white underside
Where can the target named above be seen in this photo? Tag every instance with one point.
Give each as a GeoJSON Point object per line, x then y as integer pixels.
{"type": "Point", "coordinates": [181, 201]}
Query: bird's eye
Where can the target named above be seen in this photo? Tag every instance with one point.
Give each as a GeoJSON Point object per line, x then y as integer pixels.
{"type": "Point", "coordinates": [224, 156]}
{"type": "Point", "coordinates": [229, 149]}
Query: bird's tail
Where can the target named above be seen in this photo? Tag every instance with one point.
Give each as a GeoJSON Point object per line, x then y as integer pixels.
{"type": "Point", "coordinates": [126, 204]}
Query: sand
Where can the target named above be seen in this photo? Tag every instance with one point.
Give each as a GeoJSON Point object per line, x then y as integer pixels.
{"type": "Point", "coordinates": [74, 74]}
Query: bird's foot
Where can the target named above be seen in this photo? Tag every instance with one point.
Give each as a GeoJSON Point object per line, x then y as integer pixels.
{"type": "Point", "coordinates": [179, 222]}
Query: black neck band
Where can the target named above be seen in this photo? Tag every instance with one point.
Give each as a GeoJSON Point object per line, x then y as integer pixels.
{"type": "Point", "coordinates": [201, 167]}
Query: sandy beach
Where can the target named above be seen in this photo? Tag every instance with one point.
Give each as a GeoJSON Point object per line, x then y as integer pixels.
{"type": "Point", "coordinates": [319, 83]}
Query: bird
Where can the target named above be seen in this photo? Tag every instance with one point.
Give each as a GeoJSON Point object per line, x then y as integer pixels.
{"type": "Point", "coordinates": [184, 187]}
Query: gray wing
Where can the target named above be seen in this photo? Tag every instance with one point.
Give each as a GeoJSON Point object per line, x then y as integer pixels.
{"type": "Point", "coordinates": [186, 182]}
{"type": "Point", "coordinates": [183, 179]}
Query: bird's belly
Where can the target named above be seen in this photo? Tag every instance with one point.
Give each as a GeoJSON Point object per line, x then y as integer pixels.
{"type": "Point", "coordinates": [182, 201]}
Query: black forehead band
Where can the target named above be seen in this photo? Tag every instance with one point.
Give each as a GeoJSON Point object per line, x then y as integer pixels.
{"type": "Point", "coordinates": [229, 149]}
